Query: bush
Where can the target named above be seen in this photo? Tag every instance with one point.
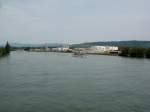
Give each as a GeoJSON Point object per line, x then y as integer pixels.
{"type": "Point", "coordinates": [147, 54]}
{"type": "Point", "coordinates": [124, 51]}
{"type": "Point", "coordinates": [138, 52]}
{"type": "Point", "coordinates": [2, 51]}
{"type": "Point", "coordinates": [132, 52]}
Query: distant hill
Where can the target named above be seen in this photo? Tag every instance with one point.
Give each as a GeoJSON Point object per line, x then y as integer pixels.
{"type": "Point", "coordinates": [145, 44]}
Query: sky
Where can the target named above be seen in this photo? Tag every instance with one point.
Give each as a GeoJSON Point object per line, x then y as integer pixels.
{"type": "Point", "coordinates": [74, 21]}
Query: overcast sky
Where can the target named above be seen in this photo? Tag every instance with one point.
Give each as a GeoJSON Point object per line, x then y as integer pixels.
{"type": "Point", "coordinates": [74, 21]}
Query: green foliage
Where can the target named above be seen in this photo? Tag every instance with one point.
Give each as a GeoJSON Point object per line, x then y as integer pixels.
{"type": "Point", "coordinates": [148, 53]}
{"type": "Point", "coordinates": [124, 51]}
{"type": "Point", "coordinates": [2, 51]}
{"type": "Point", "coordinates": [6, 50]}
{"type": "Point", "coordinates": [138, 52]}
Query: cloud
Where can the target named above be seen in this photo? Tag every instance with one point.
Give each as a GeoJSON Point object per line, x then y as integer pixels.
{"type": "Point", "coordinates": [74, 20]}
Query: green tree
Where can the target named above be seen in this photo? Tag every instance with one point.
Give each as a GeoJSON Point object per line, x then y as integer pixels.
{"type": "Point", "coordinates": [147, 53]}
{"type": "Point", "coordinates": [132, 52]}
{"type": "Point", "coordinates": [140, 52]}
{"type": "Point", "coordinates": [7, 48]}
{"type": "Point", "coordinates": [2, 52]}
{"type": "Point", "coordinates": [124, 51]}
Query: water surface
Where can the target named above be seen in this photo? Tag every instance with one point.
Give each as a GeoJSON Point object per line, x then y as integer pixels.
{"type": "Point", "coordinates": [57, 82]}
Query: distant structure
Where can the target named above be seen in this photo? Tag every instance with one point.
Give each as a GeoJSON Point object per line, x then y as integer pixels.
{"type": "Point", "coordinates": [45, 48]}
{"type": "Point", "coordinates": [103, 49]}
{"type": "Point", "coordinates": [64, 48]}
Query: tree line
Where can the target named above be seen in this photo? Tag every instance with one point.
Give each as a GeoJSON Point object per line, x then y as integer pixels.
{"type": "Point", "coordinates": [138, 52]}
{"type": "Point", "coordinates": [5, 50]}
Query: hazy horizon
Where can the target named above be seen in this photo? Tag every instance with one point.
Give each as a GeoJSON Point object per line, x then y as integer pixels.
{"type": "Point", "coordinates": [21, 42]}
{"type": "Point", "coordinates": [73, 21]}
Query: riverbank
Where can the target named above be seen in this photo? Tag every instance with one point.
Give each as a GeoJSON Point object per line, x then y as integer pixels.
{"type": "Point", "coordinates": [135, 52]}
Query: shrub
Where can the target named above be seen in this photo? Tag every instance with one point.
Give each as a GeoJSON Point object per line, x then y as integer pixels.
{"type": "Point", "coordinates": [147, 53]}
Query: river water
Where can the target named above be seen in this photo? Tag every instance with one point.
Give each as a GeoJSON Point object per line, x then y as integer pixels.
{"type": "Point", "coordinates": [58, 82]}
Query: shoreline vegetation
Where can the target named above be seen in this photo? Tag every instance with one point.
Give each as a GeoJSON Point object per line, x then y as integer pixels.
{"type": "Point", "coordinates": [5, 50]}
{"type": "Point", "coordinates": [135, 52]}
{"type": "Point", "coordinates": [124, 49]}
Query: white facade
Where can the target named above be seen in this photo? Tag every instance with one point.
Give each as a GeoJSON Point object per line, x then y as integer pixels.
{"type": "Point", "coordinates": [61, 49]}
{"type": "Point", "coordinates": [98, 49]}
{"type": "Point", "coordinates": [102, 49]}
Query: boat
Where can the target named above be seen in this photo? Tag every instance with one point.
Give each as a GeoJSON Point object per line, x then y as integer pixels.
{"type": "Point", "coordinates": [79, 54]}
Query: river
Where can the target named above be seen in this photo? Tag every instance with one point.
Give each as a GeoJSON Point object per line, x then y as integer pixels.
{"type": "Point", "coordinates": [59, 82]}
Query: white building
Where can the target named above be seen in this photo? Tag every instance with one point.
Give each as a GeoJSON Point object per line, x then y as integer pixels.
{"type": "Point", "coordinates": [61, 49]}
{"type": "Point", "coordinates": [102, 49]}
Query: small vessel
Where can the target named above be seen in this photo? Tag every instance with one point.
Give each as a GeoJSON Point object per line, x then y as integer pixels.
{"type": "Point", "coordinates": [79, 54]}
